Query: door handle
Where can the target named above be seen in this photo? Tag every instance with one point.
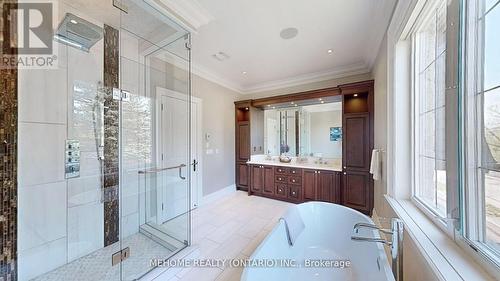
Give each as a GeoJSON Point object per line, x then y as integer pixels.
{"type": "Point", "coordinates": [195, 164]}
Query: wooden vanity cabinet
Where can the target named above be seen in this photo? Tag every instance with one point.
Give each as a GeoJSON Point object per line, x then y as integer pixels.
{"type": "Point", "coordinates": [262, 180]}
{"type": "Point", "coordinates": [353, 187]}
{"type": "Point", "coordinates": [249, 132]}
{"type": "Point", "coordinates": [276, 182]}
{"type": "Point", "coordinates": [322, 185]}
{"type": "Point", "coordinates": [357, 123]}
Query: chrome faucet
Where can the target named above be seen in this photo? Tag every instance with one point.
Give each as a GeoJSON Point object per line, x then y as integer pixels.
{"type": "Point", "coordinates": [396, 243]}
{"type": "Point", "coordinates": [371, 226]}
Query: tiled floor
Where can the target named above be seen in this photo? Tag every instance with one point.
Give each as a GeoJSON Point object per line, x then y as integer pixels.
{"type": "Point", "coordinates": [231, 227]}
{"type": "Point", "coordinates": [97, 265]}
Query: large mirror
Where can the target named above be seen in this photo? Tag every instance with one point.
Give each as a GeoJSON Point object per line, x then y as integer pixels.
{"type": "Point", "coordinates": [312, 128]}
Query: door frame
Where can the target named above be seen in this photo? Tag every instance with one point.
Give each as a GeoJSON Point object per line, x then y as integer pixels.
{"type": "Point", "coordinates": [195, 193]}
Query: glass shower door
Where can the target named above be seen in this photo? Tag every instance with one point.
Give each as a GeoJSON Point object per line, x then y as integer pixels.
{"type": "Point", "coordinates": [154, 83]}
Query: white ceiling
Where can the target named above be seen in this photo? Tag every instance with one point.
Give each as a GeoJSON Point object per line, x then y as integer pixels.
{"type": "Point", "coordinates": [248, 31]}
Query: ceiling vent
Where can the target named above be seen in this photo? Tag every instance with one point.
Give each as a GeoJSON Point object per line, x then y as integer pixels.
{"type": "Point", "coordinates": [220, 56]}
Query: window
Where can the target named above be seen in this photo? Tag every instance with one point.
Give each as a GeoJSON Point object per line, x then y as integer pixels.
{"type": "Point", "coordinates": [429, 108]}
{"type": "Point", "coordinates": [481, 207]}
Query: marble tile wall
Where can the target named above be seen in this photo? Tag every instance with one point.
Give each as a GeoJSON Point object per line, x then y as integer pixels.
{"type": "Point", "coordinates": [111, 137]}
{"type": "Point", "coordinates": [8, 160]}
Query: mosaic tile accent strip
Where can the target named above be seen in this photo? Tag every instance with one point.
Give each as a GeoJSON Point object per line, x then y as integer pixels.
{"type": "Point", "coordinates": [8, 154]}
{"type": "Point", "coordinates": [111, 137]}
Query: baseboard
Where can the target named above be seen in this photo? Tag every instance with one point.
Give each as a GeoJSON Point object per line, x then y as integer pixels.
{"type": "Point", "coordinates": [218, 194]}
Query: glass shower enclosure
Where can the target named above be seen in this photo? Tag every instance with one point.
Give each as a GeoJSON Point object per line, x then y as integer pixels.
{"type": "Point", "coordinates": [124, 75]}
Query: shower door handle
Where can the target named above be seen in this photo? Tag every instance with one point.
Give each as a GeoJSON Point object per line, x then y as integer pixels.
{"type": "Point", "coordinates": [180, 172]}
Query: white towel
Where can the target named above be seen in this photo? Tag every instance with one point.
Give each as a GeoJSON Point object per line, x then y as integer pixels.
{"type": "Point", "coordinates": [375, 165]}
{"type": "Point", "coordinates": [294, 223]}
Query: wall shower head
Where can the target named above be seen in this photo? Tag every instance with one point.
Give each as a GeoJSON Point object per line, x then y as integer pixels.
{"type": "Point", "coordinates": [77, 32]}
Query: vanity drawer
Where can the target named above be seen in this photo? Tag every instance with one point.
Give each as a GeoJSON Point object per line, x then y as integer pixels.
{"type": "Point", "coordinates": [280, 190]}
{"type": "Point", "coordinates": [281, 170]}
{"type": "Point", "coordinates": [281, 178]}
{"type": "Point", "coordinates": [294, 192]}
{"type": "Point", "coordinates": [295, 180]}
{"type": "Point", "coordinates": [295, 171]}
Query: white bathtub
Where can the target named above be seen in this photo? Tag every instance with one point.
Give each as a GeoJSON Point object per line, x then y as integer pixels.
{"type": "Point", "coordinates": [327, 236]}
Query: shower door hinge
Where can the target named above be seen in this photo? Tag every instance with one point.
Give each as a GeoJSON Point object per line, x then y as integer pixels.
{"type": "Point", "coordinates": [121, 95]}
{"type": "Point", "coordinates": [120, 256]}
{"type": "Point", "coordinates": [162, 206]}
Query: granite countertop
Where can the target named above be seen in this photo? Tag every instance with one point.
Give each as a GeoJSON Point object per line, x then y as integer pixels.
{"type": "Point", "coordinates": [333, 166]}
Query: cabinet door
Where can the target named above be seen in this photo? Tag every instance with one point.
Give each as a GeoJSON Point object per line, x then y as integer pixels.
{"type": "Point", "coordinates": [356, 191]}
{"type": "Point", "coordinates": [257, 179]}
{"type": "Point", "coordinates": [242, 175]}
{"type": "Point", "coordinates": [294, 193]}
{"type": "Point", "coordinates": [326, 186]}
{"type": "Point", "coordinates": [356, 141]}
{"type": "Point", "coordinates": [309, 184]}
{"type": "Point", "coordinates": [281, 190]}
{"type": "Point", "coordinates": [243, 141]}
{"type": "Point", "coordinates": [268, 174]}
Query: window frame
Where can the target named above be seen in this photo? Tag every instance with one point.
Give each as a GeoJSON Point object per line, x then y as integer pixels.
{"type": "Point", "coordinates": [472, 230]}
{"type": "Point", "coordinates": [442, 221]}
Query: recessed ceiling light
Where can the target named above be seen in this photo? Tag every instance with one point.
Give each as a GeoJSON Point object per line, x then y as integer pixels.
{"type": "Point", "coordinates": [73, 21]}
{"type": "Point", "coordinates": [355, 95]}
{"type": "Point", "coordinates": [292, 102]}
{"type": "Point", "coordinates": [268, 105]}
{"type": "Point", "coordinates": [322, 101]}
{"type": "Point", "coordinates": [274, 107]}
{"type": "Point", "coordinates": [244, 72]}
{"type": "Point", "coordinates": [296, 105]}
{"type": "Point", "coordinates": [289, 33]}
{"type": "Point", "coordinates": [330, 51]}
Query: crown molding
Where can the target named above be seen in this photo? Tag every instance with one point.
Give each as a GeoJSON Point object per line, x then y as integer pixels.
{"type": "Point", "coordinates": [190, 14]}
{"type": "Point", "coordinates": [203, 72]}
{"type": "Point", "coordinates": [339, 72]}
{"type": "Point", "coordinates": [217, 79]}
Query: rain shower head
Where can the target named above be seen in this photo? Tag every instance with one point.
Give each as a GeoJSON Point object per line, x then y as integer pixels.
{"type": "Point", "coordinates": [77, 32]}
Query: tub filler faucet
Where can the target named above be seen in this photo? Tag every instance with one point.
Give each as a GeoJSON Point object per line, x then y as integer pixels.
{"type": "Point", "coordinates": [396, 243]}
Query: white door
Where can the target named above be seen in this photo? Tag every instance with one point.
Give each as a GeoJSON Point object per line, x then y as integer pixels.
{"type": "Point", "coordinates": [173, 128]}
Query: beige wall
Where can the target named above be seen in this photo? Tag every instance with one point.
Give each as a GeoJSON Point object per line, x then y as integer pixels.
{"type": "Point", "coordinates": [310, 86]}
{"type": "Point", "coordinates": [218, 120]}
{"type": "Point", "coordinates": [415, 266]}
{"type": "Point", "coordinates": [380, 122]}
